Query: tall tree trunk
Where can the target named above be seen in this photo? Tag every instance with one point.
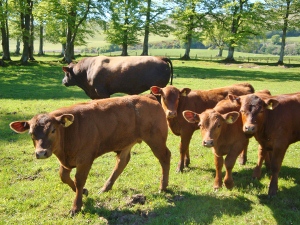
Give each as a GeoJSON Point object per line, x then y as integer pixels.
{"type": "Point", "coordinates": [25, 26]}
{"type": "Point", "coordinates": [124, 49]}
{"type": "Point", "coordinates": [230, 57]}
{"type": "Point", "coordinates": [284, 30]}
{"type": "Point", "coordinates": [147, 29]}
{"type": "Point", "coordinates": [187, 47]}
{"type": "Point", "coordinates": [238, 9]}
{"type": "Point", "coordinates": [220, 52]}
{"type": "Point", "coordinates": [17, 52]}
{"type": "Point", "coordinates": [63, 49]}
{"type": "Point", "coordinates": [5, 34]}
{"type": "Point", "coordinates": [31, 43]}
{"type": "Point", "coordinates": [41, 46]}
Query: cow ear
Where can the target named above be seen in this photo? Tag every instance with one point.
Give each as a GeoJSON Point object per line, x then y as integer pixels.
{"type": "Point", "coordinates": [66, 69]}
{"type": "Point", "coordinates": [185, 91]}
{"type": "Point", "coordinates": [233, 98]}
{"type": "Point", "coordinates": [156, 90]}
{"type": "Point", "coordinates": [231, 117]}
{"type": "Point", "coordinates": [65, 119]}
{"type": "Point", "coordinates": [19, 126]}
{"type": "Point", "coordinates": [271, 104]}
{"type": "Point", "coordinates": [190, 116]}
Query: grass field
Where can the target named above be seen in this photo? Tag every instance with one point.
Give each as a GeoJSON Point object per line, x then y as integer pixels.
{"type": "Point", "coordinates": [32, 193]}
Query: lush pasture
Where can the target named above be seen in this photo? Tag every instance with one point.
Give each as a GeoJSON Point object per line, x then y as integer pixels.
{"type": "Point", "coordinates": [31, 191]}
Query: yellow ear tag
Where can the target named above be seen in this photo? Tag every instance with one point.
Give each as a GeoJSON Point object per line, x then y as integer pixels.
{"type": "Point", "coordinates": [270, 106]}
{"type": "Point", "coordinates": [68, 122]}
{"type": "Point", "coordinates": [183, 93]}
{"type": "Point", "coordinates": [229, 119]}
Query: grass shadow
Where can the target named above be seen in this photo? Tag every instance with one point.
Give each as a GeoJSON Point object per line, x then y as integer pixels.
{"type": "Point", "coordinates": [183, 208]}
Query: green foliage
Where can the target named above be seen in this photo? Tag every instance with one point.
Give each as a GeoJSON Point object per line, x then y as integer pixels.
{"type": "Point", "coordinates": [32, 193]}
{"type": "Point", "coordinates": [125, 23]}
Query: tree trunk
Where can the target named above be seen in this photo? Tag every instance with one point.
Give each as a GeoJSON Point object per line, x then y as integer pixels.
{"type": "Point", "coordinates": [230, 54]}
{"type": "Point", "coordinates": [147, 29]}
{"type": "Point", "coordinates": [25, 26]}
{"type": "Point", "coordinates": [31, 43]}
{"type": "Point", "coordinates": [5, 33]}
{"type": "Point", "coordinates": [63, 49]}
{"type": "Point", "coordinates": [187, 48]}
{"type": "Point", "coordinates": [124, 49]}
{"type": "Point", "coordinates": [5, 41]}
{"type": "Point", "coordinates": [220, 54]}
{"type": "Point", "coordinates": [284, 30]}
{"type": "Point", "coordinates": [41, 46]}
{"type": "Point", "coordinates": [69, 52]}
{"type": "Point", "coordinates": [17, 52]}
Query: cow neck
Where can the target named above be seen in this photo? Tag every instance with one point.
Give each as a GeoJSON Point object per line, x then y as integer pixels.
{"type": "Point", "coordinates": [175, 123]}
{"type": "Point", "coordinates": [61, 151]}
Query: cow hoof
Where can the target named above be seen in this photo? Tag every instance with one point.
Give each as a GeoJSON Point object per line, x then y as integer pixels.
{"type": "Point", "coordinates": [73, 212]}
{"type": "Point", "coordinates": [85, 192]}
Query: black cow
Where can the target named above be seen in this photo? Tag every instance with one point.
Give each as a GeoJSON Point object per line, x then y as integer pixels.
{"type": "Point", "coordinates": [103, 76]}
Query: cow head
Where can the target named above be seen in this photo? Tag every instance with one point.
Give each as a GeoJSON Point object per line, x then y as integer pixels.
{"type": "Point", "coordinates": [210, 123]}
{"type": "Point", "coordinates": [253, 109]}
{"type": "Point", "coordinates": [170, 98]}
{"type": "Point", "coordinates": [69, 78]}
{"type": "Point", "coordinates": [45, 131]}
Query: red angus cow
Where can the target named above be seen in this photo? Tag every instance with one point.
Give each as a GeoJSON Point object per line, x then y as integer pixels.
{"type": "Point", "coordinates": [222, 129]}
{"type": "Point", "coordinates": [275, 123]}
{"type": "Point", "coordinates": [175, 101]}
{"type": "Point", "coordinates": [79, 134]}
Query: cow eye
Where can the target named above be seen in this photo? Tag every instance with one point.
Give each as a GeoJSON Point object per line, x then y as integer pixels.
{"type": "Point", "coordinates": [53, 130]}
{"type": "Point", "coordinates": [219, 125]}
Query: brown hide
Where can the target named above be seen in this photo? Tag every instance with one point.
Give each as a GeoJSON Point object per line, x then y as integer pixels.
{"type": "Point", "coordinates": [275, 123]}
{"type": "Point", "coordinates": [103, 76]}
{"type": "Point", "coordinates": [175, 101]}
{"type": "Point", "coordinates": [78, 134]}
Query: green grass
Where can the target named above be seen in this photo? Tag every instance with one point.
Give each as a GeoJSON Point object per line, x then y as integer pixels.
{"type": "Point", "coordinates": [32, 193]}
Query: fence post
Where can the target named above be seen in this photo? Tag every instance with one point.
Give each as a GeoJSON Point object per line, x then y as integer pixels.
{"type": "Point", "coordinates": [210, 57]}
{"type": "Point", "coordinates": [196, 56]}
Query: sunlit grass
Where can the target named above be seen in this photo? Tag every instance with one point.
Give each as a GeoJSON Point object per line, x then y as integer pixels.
{"type": "Point", "coordinates": [32, 193]}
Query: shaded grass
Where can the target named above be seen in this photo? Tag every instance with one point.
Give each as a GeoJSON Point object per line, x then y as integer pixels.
{"type": "Point", "coordinates": [31, 190]}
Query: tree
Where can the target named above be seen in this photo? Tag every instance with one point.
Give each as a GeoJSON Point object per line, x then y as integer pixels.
{"type": "Point", "coordinates": [125, 24]}
{"type": "Point", "coordinates": [285, 15]}
{"type": "Point", "coordinates": [26, 23]}
{"type": "Point", "coordinates": [4, 29]}
{"type": "Point", "coordinates": [214, 35]}
{"type": "Point", "coordinates": [154, 22]}
{"type": "Point", "coordinates": [243, 20]}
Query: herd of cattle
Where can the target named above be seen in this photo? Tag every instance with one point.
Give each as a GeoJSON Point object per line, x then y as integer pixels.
{"type": "Point", "coordinates": [227, 117]}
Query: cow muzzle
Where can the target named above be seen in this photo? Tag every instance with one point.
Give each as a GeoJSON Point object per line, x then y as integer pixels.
{"type": "Point", "coordinates": [171, 114]}
{"type": "Point", "coordinates": [208, 143]}
{"type": "Point", "coordinates": [43, 154]}
{"type": "Point", "coordinates": [249, 129]}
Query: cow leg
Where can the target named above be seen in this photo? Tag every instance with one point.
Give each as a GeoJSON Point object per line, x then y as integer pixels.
{"type": "Point", "coordinates": [243, 156]}
{"type": "Point", "coordinates": [276, 162]}
{"type": "Point", "coordinates": [219, 165]}
{"type": "Point", "coordinates": [122, 160]}
{"type": "Point", "coordinates": [184, 150]}
{"type": "Point", "coordinates": [82, 172]}
{"type": "Point", "coordinates": [163, 155]}
{"type": "Point", "coordinates": [65, 178]}
{"type": "Point", "coordinates": [261, 157]}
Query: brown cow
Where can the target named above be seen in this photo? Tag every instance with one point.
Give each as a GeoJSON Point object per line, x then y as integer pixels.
{"type": "Point", "coordinates": [79, 134]}
{"type": "Point", "coordinates": [275, 123]}
{"type": "Point", "coordinates": [175, 101]}
{"type": "Point", "coordinates": [222, 129]}
{"type": "Point", "coordinates": [103, 76]}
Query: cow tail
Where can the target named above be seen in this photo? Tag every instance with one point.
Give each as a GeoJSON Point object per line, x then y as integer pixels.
{"type": "Point", "coordinates": [167, 60]}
